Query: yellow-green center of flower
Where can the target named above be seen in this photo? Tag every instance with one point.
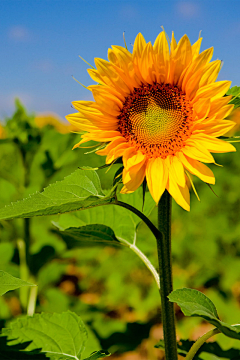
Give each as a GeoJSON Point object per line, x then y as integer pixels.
{"type": "Point", "coordinates": [156, 119]}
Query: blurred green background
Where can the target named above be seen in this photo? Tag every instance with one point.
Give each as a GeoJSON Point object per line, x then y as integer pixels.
{"type": "Point", "coordinates": [110, 288]}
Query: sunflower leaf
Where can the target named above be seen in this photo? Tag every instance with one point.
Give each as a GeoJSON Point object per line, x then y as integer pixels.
{"type": "Point", "coordinates": [183, 347]}
{"type": "Point", "coordinates": [78, 191]}
{"type": "Point", "coordinates": [88, 235]}
{"type": "Point", "coordinates": [59, 336]}
{"type": "Point", "coordinates": [9, 282]}
{"type": "Point", "coordinates": [109, 216]}
{"type": "Point", "coordinates": [194, 303]}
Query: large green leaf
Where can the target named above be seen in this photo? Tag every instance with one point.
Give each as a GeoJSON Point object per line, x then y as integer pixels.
{"type": "Point", "coordinates": [59, 336]}
{"type": "Point", "coordinates": [110, 215]}
{"type": "Point", "coordinates": [194, 303]}
{"type": "Point", "coordinates": [78, 191]}
{"type": "Point", "coordinates": [88, 235]}
{"type": "Point", "coordinates": [9, 282]}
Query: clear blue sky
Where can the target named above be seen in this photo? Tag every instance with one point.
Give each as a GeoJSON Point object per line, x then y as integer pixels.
{"type": "Point", "coordinates": [40, 42]}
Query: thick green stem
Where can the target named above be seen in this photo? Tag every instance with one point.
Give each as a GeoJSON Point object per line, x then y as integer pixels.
{"type": "Point", "coordinates": [196, 346]}
{"type": "Point", "coordinates": [165, 272]}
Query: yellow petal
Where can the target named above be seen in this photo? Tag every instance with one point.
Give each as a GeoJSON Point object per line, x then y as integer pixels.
{"type": "Point", "coordinates": [213, 144]}
{"type": "Point", "coordinates": [196, 48]}
{"type": "Point", "coordinates": [225, 111]}
{"type": "Point", "coordinates": [157, 175]}
{"type": "Point", "coordinates": [220, 128]}
{"type": "Point", "coordinates": [176, 168]}
{"type": "Point", "coordinates": [146, 65]}
{"type": "Point", "coordinates": [110, 76]}
{"type": "Point", "coordinates": [110, 91]}
{"type": "Point", "coordinates": [200, 61]}
{"type": "Point", "coordinates": [213, 91]}
{"type": "Point", "coordinates": [132, 158]}
{"type": "Point", "coordinates": [196, 151]}
{"type": "Point", "coordinates": [180, 59]}
{"type": "Point", "coordinates": [197, 168]}
{"type": "Point", "coordinates": [117, 140]}
{"type": "Point", "coordinates": [95, 76]}
{"type": "Point", "coordinates": [103, 136]}
{"type": "Point", "coordinates": [107, 102]}
{"type": "Point", "coordinates": [202, 108]}
{"type": "Point", "coordinates": [123, 65]}
{"type": "Point", "coordinates": [173, 44]}
{"type": "Point", "coordinates": [138, 48]}
{"type": "Point", "coordinates": [133, 177]}
{"type": "Point", "coordinates": [162, 57]}
{"type": "Point", "coordinates": [180, 194]}
{"type": "Point", "coordinates": [95, 116]}
{"type": "Point", "coordinates": [80, 123]}
{"type": "Point", "coordinates": [217, 104]}
{"type": "Point", "coordinates": [116, 152]}
{"type": "Point", "coordinates": [210, 73]}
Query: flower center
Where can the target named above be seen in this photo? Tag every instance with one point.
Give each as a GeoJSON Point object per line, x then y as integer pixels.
{"type": "Point", "coordinates": [156, 119]}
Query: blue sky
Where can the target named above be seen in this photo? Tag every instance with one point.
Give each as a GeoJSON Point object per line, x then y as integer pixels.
{"type": "Point", "coordinates": [40, 42]}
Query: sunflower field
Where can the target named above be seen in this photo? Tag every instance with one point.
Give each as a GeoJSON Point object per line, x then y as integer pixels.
{"type": "Point", "coordinates": [78, 280]}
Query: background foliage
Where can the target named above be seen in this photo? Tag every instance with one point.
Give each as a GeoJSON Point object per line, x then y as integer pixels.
{"type": "Point", "coordinates": [109, 287]}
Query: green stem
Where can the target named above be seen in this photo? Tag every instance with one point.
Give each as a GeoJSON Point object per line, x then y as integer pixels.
{"type": "Point", "coordinates": [196, 346]}
{"type": "Point", "coordinates": [143, 257]}
{"type": "Point", "coordinates": [165, 271]}
{"type": "Point", "coordinates": [24, 272]}
{"type": "Point", "coordinates": [151, 226]}
{"type": "Point", "coordinates": [32, 300]}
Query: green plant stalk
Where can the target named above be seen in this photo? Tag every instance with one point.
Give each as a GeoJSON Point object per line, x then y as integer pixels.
{"type": "Point", "coordinates": [24, 272]}
{"type": "Point", "coordinates": [144, 259]}
{"type": "Point", "coordinates": [144, 218]}
{"type": "Point", "coordinates": [196, 346]}
{"type": "Point", "coordinates": [165, 272]}
{"type": "Point", "coordinates": [32, 300]}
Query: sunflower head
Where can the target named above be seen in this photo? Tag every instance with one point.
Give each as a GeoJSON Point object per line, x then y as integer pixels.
{"type": "Point", "coordinates": [161, 110]}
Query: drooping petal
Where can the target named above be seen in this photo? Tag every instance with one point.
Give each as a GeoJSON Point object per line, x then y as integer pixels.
{"type": "Point", "coordinates": [157, 176]}
{"type": "Point", "coordinates": [132, 158]}
{"type": "Point", "coordinates": [133, 177]}
{"type": "Point", "coordinates": [198, 152]}
{"type": "Point", "coordinates": [213, 144]}
{"type": "Point", "coordinates": [180, 194]}
{"type": "Point", "coordinates": [176, 169]}
{"type": "Point", "coordinates": [195, 167]}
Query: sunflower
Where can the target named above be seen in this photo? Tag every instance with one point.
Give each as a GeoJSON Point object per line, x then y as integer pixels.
{"type": "Point", "coordinates": [159, 109]}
